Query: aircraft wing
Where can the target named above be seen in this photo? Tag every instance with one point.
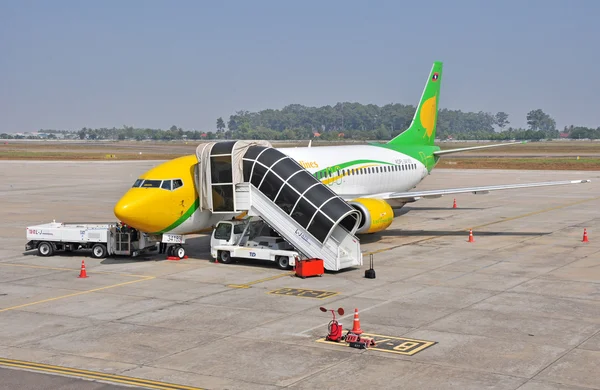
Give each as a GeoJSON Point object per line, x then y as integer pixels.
{"type": "Point", "coordinates": [459, 150]}
{"type": "Point", "coordinates": [413, 196]}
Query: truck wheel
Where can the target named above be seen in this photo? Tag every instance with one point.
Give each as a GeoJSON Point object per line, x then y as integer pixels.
{"type": "Point", "coordinates": [283, 262]}
{"type": "Point", "coordinates": [225, 257]}
{"type": "Point", "coordinates": [179, 251]}
{"type": "Point", "coordinates": [99, 251]}
{"type": "Point", "coordinates": [45, 249]}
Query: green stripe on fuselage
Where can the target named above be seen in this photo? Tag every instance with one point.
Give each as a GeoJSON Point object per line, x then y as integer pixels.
{"type": "Point", "coordinates": [183, 217]}
{"type": "Point", "coordinates": [339, 167]}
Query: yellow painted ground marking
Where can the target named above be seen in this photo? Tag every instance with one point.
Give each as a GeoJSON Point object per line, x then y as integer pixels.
{"type": "Point", "coordinates": [488, 224]}
{"type": "Point", "coordinates": [94, 375]}
{"type": "Point", "coordinates": [68, 269]}
{"type": "Point", "coordinates": [536, 212]}
{"type": "Point", "coordinates": [391, 344]}
{"type": "Point", "coordinates": [77, 293]}
{"type": "Point", "coordinates": [247, 285]}
{"type": "Point", "coordinates": [304, 293]}
{"type": "Point", "coordinates": [141, 279]}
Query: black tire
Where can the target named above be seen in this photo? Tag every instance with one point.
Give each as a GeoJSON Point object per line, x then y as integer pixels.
{"type": "Point", "coordinates": [283, 262]}
{"type": "Point", "coordinates": [179, 251]}
{"type": "Point", "coordinates": [99, 251]}
{"type": "Point", "coordinates": [45, 249]}
{"type": "Point", "coordinates": [225, 257]}
{"type": "Point", "coordinates": [170, 251]}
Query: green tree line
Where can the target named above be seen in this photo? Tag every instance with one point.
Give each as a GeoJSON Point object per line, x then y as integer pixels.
{"type": "Point", "coordinates": [352, 121]}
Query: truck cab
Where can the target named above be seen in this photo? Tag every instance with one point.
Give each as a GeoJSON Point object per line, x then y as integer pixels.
{"type": "Point", "coordinates": [250, 238]}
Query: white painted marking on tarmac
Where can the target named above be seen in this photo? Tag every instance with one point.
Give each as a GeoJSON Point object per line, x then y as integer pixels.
{"type": "Point", "coordinates": [301, 334]}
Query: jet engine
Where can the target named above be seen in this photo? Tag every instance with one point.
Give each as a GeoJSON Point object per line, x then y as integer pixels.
{"type": "Point", "coordinates": [376, 214]}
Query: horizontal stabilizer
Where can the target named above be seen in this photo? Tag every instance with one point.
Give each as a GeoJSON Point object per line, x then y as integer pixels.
{"type": "Point", "coordinates": [416, 195]}
{"type": "Point", "coordinates": [442, 152]}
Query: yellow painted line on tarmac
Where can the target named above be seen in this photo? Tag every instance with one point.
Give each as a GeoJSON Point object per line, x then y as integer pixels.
{"type": "Point", "coordinates": [249, 284]}
{"type": "Point", "coordinates": [76, 294]}
{"type": "Point", "coordinates": [487, 224]}
{"type": "Point", "coordinates": [399, 245]}
{"type": "Point", "coordinates": [537, 212]}
{"type": "Point", "coordinates": [68, 269]}
{"type": "Point", "coordinates": [74, 372]}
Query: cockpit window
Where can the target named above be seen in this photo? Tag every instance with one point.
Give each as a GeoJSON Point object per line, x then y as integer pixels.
{"type": "Point", "coordinates": [151, 184]}
{"type": "Point", "coordinates": [166, 185]}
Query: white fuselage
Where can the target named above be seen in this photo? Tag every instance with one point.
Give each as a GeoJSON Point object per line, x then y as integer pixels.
{"type": "Point", "coordinates": [381, 169]}
{"type": "Point", "coordinates": [367, 171]}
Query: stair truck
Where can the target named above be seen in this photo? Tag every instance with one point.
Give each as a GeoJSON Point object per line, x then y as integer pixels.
{"type": "Point", "coordinates": [253, 239]}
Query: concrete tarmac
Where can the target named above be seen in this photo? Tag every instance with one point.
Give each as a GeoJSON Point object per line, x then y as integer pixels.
{"type": "Point", "coordinates": [517, 309]}
{"type": "Point", "coordinates": [26, 380]}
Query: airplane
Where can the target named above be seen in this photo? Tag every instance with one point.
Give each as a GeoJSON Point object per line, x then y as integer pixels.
{"type": "Point", "coordinates": [374, 178]}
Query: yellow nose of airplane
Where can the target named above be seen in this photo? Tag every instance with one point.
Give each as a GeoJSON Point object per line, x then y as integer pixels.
{"type": "Point", "coordinates": [135, 211]}
{"type": "Point", "coordinates": [162, 198]}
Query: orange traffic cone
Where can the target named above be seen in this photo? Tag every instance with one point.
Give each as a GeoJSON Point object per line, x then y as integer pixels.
{"type": "Point", "coordinates": [471, 239]}
{"type": "Point", "coordinates": [585, 236]}
{"type": "Point", "coordinates": [454, 205]}
{"type": "Point", "coordinates": [356, 327]}
{"type": "Point", "coordinates": [83, 274]}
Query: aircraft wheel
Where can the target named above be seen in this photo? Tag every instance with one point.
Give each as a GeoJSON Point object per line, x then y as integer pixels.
{"type": "Point", "coordinates": [179, 251]}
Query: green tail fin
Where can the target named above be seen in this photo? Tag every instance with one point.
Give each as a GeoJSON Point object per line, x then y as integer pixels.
{"type": "Point", "coordinates": [422, 127]}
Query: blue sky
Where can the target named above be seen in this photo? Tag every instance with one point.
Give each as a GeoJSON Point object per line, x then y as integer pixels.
{"type": "Point", "coordinates": [70, 64]}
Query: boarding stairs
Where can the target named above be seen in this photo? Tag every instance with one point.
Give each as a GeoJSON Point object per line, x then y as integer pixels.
{"type": "Point", "coordinates": [317, 222]}
{"type": "Point", "coordinates": [340, 250]}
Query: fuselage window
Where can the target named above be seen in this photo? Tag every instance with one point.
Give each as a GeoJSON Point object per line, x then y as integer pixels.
{"type": "Point", "coordinates": [177, 183]}
{"type": "Point", "coordinates": [138, 183]}
{"type": "Point", "coordinates": [166, 185]}
{"type": "Point", "coordinates": [151, 184]}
